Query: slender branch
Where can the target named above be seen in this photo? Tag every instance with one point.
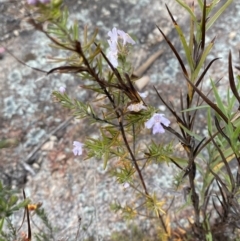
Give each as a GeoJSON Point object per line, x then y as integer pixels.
{"type": "Point", "coordinates": [116, 110]}
{"type": "Point", "coordinates": [131, 154]}
{"type": "Point", "coordinates": [134, 139]}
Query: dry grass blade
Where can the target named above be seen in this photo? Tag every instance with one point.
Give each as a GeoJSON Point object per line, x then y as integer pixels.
{"type": "Point", "coordinates": [176, 134]}
{"type": "Point", "coordinates": [68, 69]}
{"type": "Point", "coordinates": [197, 147]}
{"type": "Point", "coordinates": [182, 108]}
{"type": "Point", "coordinates": [144, 67]}
{"type": "Point", "coordinates": [205, 71]}
{"type": "Point", "coordinates": [173, 20]}
{"type": "Point", "coordinates": [131, 91]}
{"type": "Point", "coordinates": [225, 162]}
{"type": "Point", "coordinates": [224, 201]}
{"type": "Point", "coordinates": [206, 199]}
{"type": "Point", "coordinates": [176, 163]}
{"type": "Point", "coordinates": [231, 78]}
{"type": "Point", "coordinates": [204, 25]}
{"type": "Point", "coordinates": [219, 180]}
{"type": "Point", "coordinates": [175, 52]}
{"type": "Point", "coordinates": [29, 237]}
{"type": "Point", "coordinates": [215, 207]}
{"type": "Point", "coordinates": [196, 50]}
{"type": "Point", "coordinates": [172, 111]}
{"type": "Point", "coordinates": [221, 131]}
{"type": "Point", "coordinates": [22, 62]}
{"type": "Point", "coordinates": [114, 70]}
{"type": "Point", "coordinates": [208, 101]}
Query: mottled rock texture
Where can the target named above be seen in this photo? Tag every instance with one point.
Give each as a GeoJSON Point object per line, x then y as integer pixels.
{"type": "Point", "coordinates": [69, 186]}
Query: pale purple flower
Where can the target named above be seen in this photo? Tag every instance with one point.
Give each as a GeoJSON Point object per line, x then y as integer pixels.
{"type": "Point", "coordinates": [113, 46]}
{"type": "Point", "coordinates": [143, 94]}
{"type": "Point", "coordinates": [126, 185]}
{"type": "Point", "coordinates": [136, 107]}
{"type": "Point", "coordinates": [113, 35]}
{"type": "Point", "coordinates": [125, 37]}
{"type": "Point", "coordinates": [113, 53]}
{"type": "Point", "coordinates": [62, 89]}
{"type": "Point", "coordinates": [77, 150]}
{"type": "Point", "coordinates": [44, 1]}
{"type": "Point", "coordinates": [32, 2]}
{"type": "Point", "coordinates": [155, 123]}
{"type": "Point", "coordinates": [113, 58]}
{"type": "Point", "coordinates": [2, 50]}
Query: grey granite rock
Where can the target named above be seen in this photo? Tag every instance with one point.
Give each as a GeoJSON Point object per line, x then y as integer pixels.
{"type": "Point", "coordinates": [76, 187]}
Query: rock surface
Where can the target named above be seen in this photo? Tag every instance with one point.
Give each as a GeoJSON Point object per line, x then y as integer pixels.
{"type": "Point", "coordinates": [70, 187]}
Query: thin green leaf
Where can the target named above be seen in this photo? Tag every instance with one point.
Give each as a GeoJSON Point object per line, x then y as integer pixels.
{"type": "Point", "coordinates": [1, 224]}
{"type": "Point", "coordinates": [200, 3]}
{"type": "Point", "coordinates": [218, 14]}
{"type": "Point", "coordinates": [196, 108]}
{"type": "Point", "coordinates": [209, 120]}
{"type": "Point", "coordinates": [211, 6]}
{"type": "Point", "coordinates": [202, 60]}
{"type": "Point", "coordinates": [197, 137]}
{"type": "Point", "coordinates": [218, 98]}
{"type": "Point", "coordinates": [191, 36]}
{"type": "Point", "coordinates": [203, 26]}
{"type": "Point", "coordinates": [225, 163]}
{"type": "Point", "coordinates": [189, 10]}
{"type": "Point", "coordinates": [236, 134]}
{"type": "Point", "coordinates": [105, 159]}
{"type": "Point", "coordinates": [205, 71]}
{"type": "Point", "coordinates": [208, 101]}
{"type": "Point", "coordinates": [231, 78]}
{"type": "Point", "coordinates": [183, 40]}
{"type": "Point", "coordinates": [91, 41]}
{"type": "Point", "coordinates": [75, 31]}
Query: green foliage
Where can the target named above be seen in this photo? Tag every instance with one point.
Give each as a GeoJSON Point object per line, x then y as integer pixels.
{"type": "Point", "coordinates": [8, 143]}
{"type": "Point", "coordinates": [125, 172]}
{"type": "Point", "coordinates": [49, 233]}
{"type": "Point", "coordinates": [9, 204]}
{"type": "Point", "coordinates": [160, 153]}
{"type": "Point", "coordinates": [133, 233]}
{"type": "Point", "coordinates": [105, 147]}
